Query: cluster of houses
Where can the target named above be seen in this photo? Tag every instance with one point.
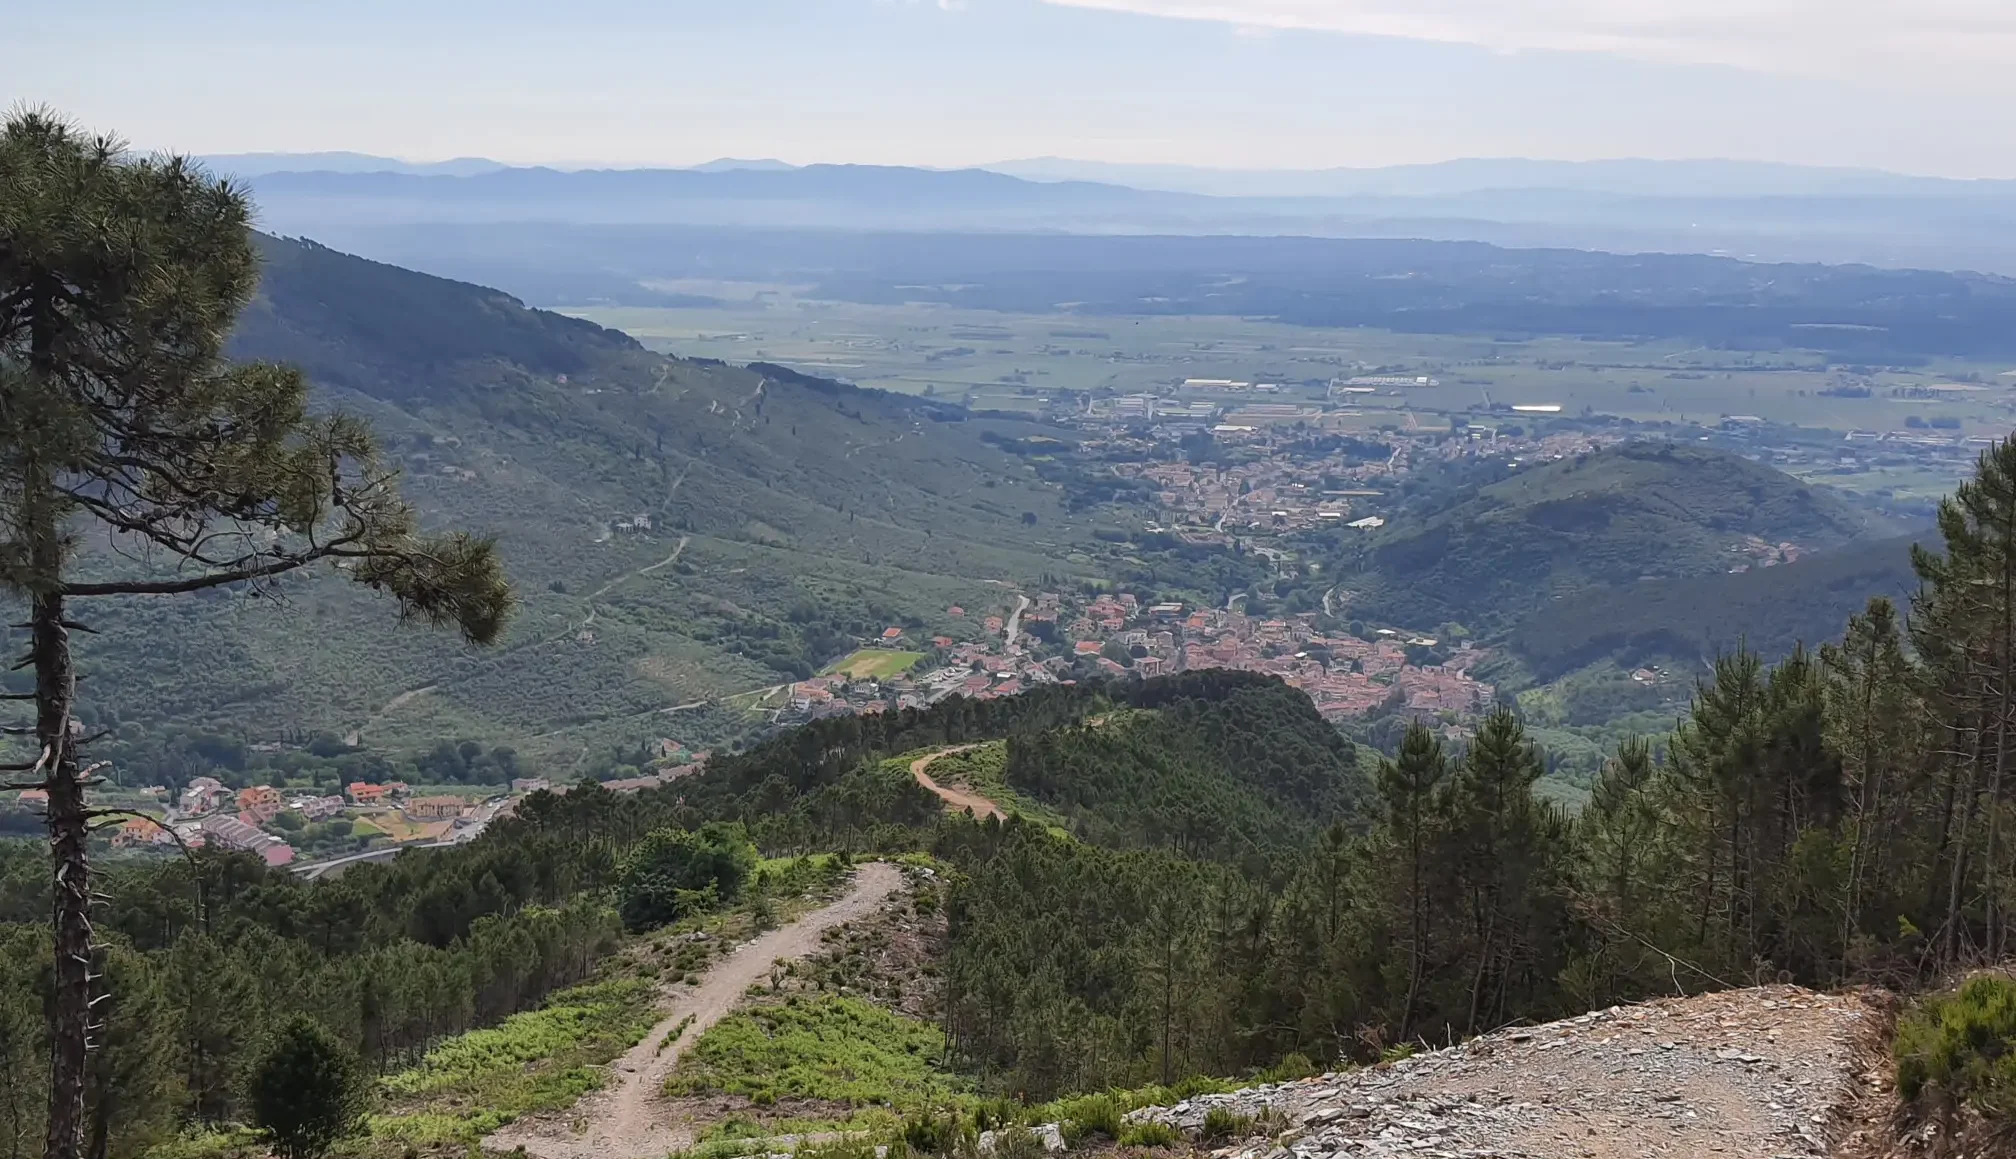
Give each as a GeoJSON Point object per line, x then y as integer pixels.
{"type": "Point", "coordinates": [208, 812]}
{"type": "Point", "coordinates": [1344, 675]}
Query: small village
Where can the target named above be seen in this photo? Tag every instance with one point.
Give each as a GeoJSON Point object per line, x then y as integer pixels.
{"type": "Point", "coordinates": [1055, 640]}
{"type": "Point", "coordinates": [250, 820]}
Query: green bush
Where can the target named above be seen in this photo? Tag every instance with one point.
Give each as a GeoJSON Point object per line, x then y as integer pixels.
{"type": "Point", "coordinates": [1150, 1134]}
{"type": "Point", "coordinates": [1018, 1143]}
{"type": "Point", "coordinates": [1092, 1115]}
{"type": "Point", "coordinates": [1222, 1123]}
{"type": "Point", "coordinates": [996, 1113]}
{"type": "Point", "coordinates": [1958, 1046]}
{"type": "Point", "coordinates": [674, 872]}
{"type": "Point", "coordinates": [1295, 1066]}
{"type": "Point", "coordinates": [930, 1132]}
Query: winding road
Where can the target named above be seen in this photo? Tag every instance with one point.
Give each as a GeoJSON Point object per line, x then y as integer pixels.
{"type": "Point", "coordinates": [629, 1118]}
{"type": "Point", "coordinates": [959, 800]}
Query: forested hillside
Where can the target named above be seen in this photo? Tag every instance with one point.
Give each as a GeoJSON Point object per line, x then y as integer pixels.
{"type": "Point", "coordinates": [1831, 819]}
{"type": "Point", "coordinates": [784, 517]}
{"type": "Point", "coordinates": [1487, 556]}
{"type": "Point", "coordinates": [1770, 610]}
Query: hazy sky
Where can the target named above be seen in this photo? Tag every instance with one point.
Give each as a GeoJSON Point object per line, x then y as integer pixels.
{"type": "Point", "coordinates": [1916, 85]}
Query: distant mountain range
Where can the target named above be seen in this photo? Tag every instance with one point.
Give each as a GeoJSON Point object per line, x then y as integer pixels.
{"type": "Point", "coordinates": [1749, 210]}
{"type": "Point", "coordinates": [1623, 177]}
{"type": "Point", "coordinates": [1636, 177]}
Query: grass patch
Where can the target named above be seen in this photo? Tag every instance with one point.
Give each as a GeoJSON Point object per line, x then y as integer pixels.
{"type": "Point", "coordinates": [874, 664]}
{"type": "Point", "coordinates": [210, 1143]}
{"type": "Point", "coordinates": [832, 1048]}
{"type": "Point", "coordinates": [539, 1060]}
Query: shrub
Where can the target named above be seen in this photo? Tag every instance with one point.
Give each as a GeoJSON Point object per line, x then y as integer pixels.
{"type": "Point", "coordinates": [1093, 1115]}
{"type": "Point", "coordinates": [1018, 1143]}
{"type": "Point", "coordinates": [1149, 1133]}
{"type": "Point", "coordinates": [929, 1132]}
{"type": "Point", "coordinates": [1223, 1123]}
{"type": "Point", "coordinates": [1958, 1046]}
{"type": "Point", "coordinates": [1295, 1066]}
{"type": "Point", "coordinates": [673, 872]}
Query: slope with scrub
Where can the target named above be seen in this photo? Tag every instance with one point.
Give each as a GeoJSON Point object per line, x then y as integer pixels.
{"type": "Point", "coordinates": [679, 531]}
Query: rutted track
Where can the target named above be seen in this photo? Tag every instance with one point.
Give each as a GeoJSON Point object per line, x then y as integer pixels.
{"type": "Point", "coordinates": [628, 1118]}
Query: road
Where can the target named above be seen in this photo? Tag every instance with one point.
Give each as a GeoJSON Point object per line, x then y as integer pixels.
{"type": "Point", "coordinates": [1015, 620]}
{"type": "Point", "coordinates": [960, 800]}
{"type": "Point", "coordinates": [318, 869]}
{"type": "Point", "coordinates": [628, 1118]}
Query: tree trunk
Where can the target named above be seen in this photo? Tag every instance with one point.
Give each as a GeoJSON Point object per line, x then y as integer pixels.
{"type": "Point", "coordinates": [55, 685]}
{"type": "Point", "coordinates": [1968, 803]}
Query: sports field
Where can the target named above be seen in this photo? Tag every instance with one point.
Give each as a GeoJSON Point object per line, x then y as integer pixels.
{"type": "Point", "coordinates": [874, 664]}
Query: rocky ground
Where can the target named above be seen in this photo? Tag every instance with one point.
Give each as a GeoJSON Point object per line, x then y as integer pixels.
{"type": "Point", "coordinates": [1768, 1072]}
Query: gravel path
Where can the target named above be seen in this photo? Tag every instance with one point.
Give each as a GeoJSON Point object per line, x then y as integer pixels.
{"type": "Point", "coordinates": [629, 1118]}
{"type": "Point", "coordinates": [1758, 1073]}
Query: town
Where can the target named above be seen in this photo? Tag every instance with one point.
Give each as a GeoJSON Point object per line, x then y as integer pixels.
{"type": "Point", "coordinates": [1115, 636]}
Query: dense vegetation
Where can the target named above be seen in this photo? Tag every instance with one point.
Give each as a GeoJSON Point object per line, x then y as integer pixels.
{"type": "Point", "coordinates": [1769, 610]}
{"type": "Point", "coordinates": [1487, 556]}
{"type": "Point", "coordinates": [205, 953]}
{"type": "Point", "coordinates": [1838, 816]}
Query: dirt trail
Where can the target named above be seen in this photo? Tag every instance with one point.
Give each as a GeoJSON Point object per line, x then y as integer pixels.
{"type": "Point", "coordinates": [628, 1118]}
{"type": "Point", "coordinates": [959, 799]}
{"type": "Point", "coordinates": [1743, 1074]}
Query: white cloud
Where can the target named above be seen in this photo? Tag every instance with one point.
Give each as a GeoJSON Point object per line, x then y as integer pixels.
{"type": "Point", "coordinates": [1968, 42]}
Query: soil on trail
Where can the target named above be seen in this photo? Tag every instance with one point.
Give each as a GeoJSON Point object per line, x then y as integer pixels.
{"type": "Point", "coordinates": [1767, 1072]}
{"type": "Point", "coordinates": [629, 1118]}
{"type": "Point", "coordinates": [959, 800]}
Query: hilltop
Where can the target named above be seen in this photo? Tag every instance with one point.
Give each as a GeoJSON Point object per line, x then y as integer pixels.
{"type": "Point", "coordinates": [1487, 557]}
{"type": "Point", "coordinates": [679, 531]}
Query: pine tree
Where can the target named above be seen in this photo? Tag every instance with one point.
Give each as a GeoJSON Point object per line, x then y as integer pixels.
{"type": "Point", "coordinates": [1875, 721]}
{"type": "Point", "coordinates": [1618, 880]}
{"type": "Point", "coordinates": [1495, 833]}
{"type": "Point", "coordinates": [120, 278]}
{"type": "Point", "coordinates": [1965, 624]}
{"type": "Point", "coordinates": [1408, 785]}
{"type": "Point", "coordinates": [307, 1091]}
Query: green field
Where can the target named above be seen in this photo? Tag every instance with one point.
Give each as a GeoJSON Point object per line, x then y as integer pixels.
{"type": "Point", "coordinates": [1015, 362]}
{"type": "Point", "coordinates": [874, 664]}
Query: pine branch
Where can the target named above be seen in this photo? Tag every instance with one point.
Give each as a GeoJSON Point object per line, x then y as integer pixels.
{"type": "Point", "coordinates": [199, 583]}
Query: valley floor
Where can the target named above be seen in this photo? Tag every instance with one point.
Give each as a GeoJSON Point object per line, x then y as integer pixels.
{"type": "Point", "coordinates": [630, 1118]}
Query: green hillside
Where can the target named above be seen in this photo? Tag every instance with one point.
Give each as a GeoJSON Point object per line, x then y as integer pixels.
{"type": "Point", "coordinates": [1621, 516]}
{"type": "Point", "coordinates": [786, 517]}
{"type": "Point", "coordinates": [1217, 764]}
{"type": "Point", "coordinates": [1769, 610]}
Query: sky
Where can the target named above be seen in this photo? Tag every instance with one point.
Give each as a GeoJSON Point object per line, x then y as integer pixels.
{"type": "Point", "coordinates": [1917, 86]}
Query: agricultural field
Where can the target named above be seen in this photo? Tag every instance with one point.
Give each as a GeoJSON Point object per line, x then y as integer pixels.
{"type": "Point", "coordinates": [875, 664]}
{"type": "Point", "coordinates": [1028, 362]}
